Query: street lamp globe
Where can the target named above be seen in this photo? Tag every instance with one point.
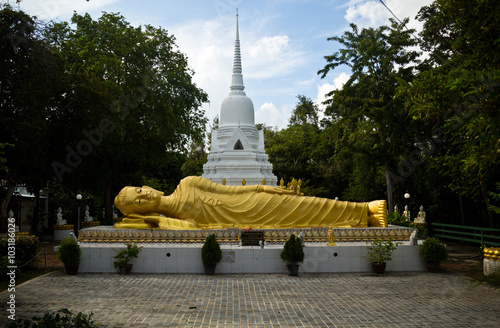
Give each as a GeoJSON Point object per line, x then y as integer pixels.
{"type": "Point", "coordinates": [79, 196]}
{"type": "Point", "coordinates": [407, 195]}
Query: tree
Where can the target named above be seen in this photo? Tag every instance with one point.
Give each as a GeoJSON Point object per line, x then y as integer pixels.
{"type": "Point", "coordinates": [32, 81]}
{"type": "Point", "coordinates": [363, 113]}
{"type": "Point", "coordinates": [146, 107]}
{"type": "Point", "coordinates": [292, 150]}
{"type": "Point", "coordinates": [458, 95]}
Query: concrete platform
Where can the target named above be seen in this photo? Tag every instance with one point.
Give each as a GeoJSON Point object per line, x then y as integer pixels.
{"type": "Point", "coordinates": [178, 251]}
{"type": "Point", "coordinates": [186, 258]}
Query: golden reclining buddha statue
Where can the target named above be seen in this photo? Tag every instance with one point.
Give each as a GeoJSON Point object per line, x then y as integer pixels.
{"type": "Point", "coordinates": [198, 203]}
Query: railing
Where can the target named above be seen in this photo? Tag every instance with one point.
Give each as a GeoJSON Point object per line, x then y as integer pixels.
{"type": "Point", "coordinates": [479, 235]}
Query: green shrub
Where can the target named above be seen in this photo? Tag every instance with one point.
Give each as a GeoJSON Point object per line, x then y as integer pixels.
{"type": "Point", "coordinates": [26, 250]}
{"type": "Point", "coordinates": [293, 251]}
{"type": "Point", "coordinates": [433, 250]}
{"type": "Point", "coordinates": [381, 250]}
{"type": "Point", "coordinates": [397, 219]}
{"type": "Point", "coordinates": [211, 254]}
{"type": "Point", "coordinates": [124, 256]}
{"type": "Point", "coordinates": [62, 319]}
{"type": "Point", "coordinates": [69, 252]}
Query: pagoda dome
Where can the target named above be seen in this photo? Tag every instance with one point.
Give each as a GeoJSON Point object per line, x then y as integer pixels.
{"type": "Point", "coordinates": [237, 110]}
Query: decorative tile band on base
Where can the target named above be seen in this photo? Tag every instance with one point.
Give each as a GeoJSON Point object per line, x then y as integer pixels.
{"type": "Point", "coordinates": [86, 224]}
{"type": "Point", "coordinates": [107, 234]}
{"type": "Point", "coordinates": [64, 227]}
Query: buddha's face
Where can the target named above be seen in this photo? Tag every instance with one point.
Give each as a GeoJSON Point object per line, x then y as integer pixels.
{"type": "Point", "coordinates": [140, 200]}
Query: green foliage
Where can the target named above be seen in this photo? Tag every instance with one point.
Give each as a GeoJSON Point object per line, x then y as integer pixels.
{"type": "Point", "coordinates": [211, 254]}
{"type": "Point", "coordinates": [61, 319]}
{"type": "Point", "coordinates": [495, 196]}
{"type": "Point", "coordinates": [456, 99]}
{"type": "Point", "coordinates": [396, 219]}
{"type": "Point", "coordinates": [371, 128]}
{"type": "Point", "coordinates": [293, 251]}
{"type": "Point", "coordinates": [26, 250]}
{"type": "Point", "coordinates": [124, 256]}
{"type": "Point", "coordinates": [195, 158]}
{"type": "Point", "coordinates": [32, 83]}
{"type": "Point", "coordinates": [126, 91]}
{"type": "Point", "coordinates": [69, 252]}
{"type": "Point", "coordinates": [381, 250]}
{"type": "Point", "coordinates": [433, 250]}
{"type": "Point", "coordinates": [294, 151]}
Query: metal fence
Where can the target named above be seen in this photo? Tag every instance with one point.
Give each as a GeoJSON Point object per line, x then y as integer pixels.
{"type": "Point", "coordinates": [478, 235]}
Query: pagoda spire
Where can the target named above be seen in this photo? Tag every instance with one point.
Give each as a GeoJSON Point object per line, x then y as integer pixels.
{"type": "Point", "coordinates": [237, 86]}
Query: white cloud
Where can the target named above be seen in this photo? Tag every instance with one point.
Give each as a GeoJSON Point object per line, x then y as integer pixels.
{"type": "Point", "coordinates": [209, 50]}
{"type": "Point", "coordinates": [325, 88]}
{"type": "Point", "coordinates": [269, 47]}
{"type": "Point", "coordinates": [52, 9]}
{"type": "Point", "coordinates": [373, 13]}
{"type": "Point", "coordinates": [272, 116]}
{"type": "Point", "coordinates": [210, 45]}
{"type": "Point", "coordinates": [271, 57]}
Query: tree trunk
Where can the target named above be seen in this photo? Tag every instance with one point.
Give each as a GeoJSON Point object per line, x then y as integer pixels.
{"type": "Point", "coordinates": [491, 222]}
{"type": "Point", "coordinates": [389, 182]}
{"type": "Point", "coordinates": [108, 203]}
{"type": "Point", "coordinates": [462, 213]}
{"type": "Point", "coordinates": [36, 212]}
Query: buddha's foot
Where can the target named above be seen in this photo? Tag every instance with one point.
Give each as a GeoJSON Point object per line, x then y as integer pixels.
{"type": "Point", "coordinates": [377, 213]}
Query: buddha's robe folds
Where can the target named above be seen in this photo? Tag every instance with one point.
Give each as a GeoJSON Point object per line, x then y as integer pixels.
{"type": "Point", "coordinates": [213, 206]}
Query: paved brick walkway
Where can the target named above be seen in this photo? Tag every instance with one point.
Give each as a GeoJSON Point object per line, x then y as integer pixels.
{"type": "Point", "coordinates": [310, 300]}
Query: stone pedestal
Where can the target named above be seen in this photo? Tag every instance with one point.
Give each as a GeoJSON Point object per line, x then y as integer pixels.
{"type": "Point", "coordinates": [490, 267]}
{"type": "Point", "coordinates": [62, 231]}
{"type": "Point", "coordinates": [491, 260]}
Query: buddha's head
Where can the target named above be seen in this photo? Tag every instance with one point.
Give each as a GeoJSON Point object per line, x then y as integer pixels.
{"type": "Point", "coordinates": [138, 200]}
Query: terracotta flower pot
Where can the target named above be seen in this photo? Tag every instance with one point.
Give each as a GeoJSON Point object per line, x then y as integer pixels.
{"type": "Point", "coordinates": [433, 266]}
{"type": "Point", "coordinates": [71, 269]}
{"type": "Point", "coordinates": [209, 269]}
{"type": "Point", "coordinates": [125, 268]}
{"type": "Point", "coordinates": [379, 268]}
{"type": "Point", "coordinates": [293, 269]}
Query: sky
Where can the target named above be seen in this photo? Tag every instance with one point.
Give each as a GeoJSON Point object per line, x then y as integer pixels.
{"type": "Point", "coordinates": [283, 42]}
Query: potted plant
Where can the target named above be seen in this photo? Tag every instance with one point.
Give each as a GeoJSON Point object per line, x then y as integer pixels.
{"type": "Point", "coordinates": [292, 254]}
{"type": "Point", "coordinates": [433, 251]}
{"type": "Point", "coordinates": [70, 254]}
{"type": "Point", "coordinates": [379, 253]}
{"type": "Point", "coordinates": [211, 254]}
{"type": "Point", "coordinates": [124, 256]}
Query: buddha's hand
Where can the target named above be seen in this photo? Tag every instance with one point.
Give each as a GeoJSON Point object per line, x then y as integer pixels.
{"type": "Point", "coordinates": [176, 224]}
{"type": "Point", "coordinates": [134, 221]}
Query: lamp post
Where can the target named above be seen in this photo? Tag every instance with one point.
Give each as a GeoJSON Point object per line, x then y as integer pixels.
{"type": "Point", "coordinates": [407, 196]}
{"type": "Point", "coordinates": [78, 199]}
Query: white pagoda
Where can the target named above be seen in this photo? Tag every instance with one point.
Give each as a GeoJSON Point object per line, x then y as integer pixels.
{"type": "Point", "coordinates": [237, 149]}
